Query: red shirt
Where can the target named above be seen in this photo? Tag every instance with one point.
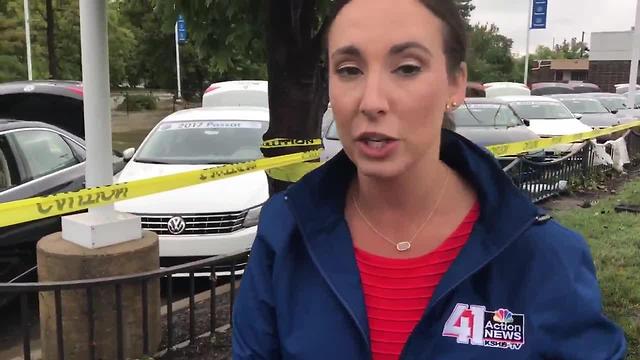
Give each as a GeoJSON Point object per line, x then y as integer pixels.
{"type": "Point", "coordinates": [397, 291]}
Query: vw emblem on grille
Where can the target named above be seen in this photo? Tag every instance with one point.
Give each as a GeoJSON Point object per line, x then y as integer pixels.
{"type": "Point", "coordinates": [176, 225]}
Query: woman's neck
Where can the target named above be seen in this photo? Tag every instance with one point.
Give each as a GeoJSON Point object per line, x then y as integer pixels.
{"type": "Point", "coordinates": [413, 192]}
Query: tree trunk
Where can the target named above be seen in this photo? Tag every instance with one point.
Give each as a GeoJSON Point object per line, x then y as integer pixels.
{"type": "Point", "coordinates": [51, 43]}
{"type": "Point", "coordinates": [297, 81]}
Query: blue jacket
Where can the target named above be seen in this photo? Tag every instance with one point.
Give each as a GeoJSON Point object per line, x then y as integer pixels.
{"type": "Point", "coordinates": [523, 287]}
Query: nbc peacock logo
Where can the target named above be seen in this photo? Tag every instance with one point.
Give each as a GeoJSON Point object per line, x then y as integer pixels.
{"type": "Point", "coordinates": [503, 316]}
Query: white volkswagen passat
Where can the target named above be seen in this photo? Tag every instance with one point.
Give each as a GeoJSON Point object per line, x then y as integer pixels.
{"type": "Point", "coordinates": [213, 218]}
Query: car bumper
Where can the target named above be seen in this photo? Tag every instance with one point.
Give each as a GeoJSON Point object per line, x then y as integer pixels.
{"type": "Point", "coordinates": [206, 245]}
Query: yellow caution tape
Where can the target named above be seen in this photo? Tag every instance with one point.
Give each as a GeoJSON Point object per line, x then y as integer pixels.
{"type": "Point", "coordinates": [520, 147]}
{"type": "Point", "coordinates": [20, 211]}
{"type": "Point", "coordinates": [286, 168]}
{"type": "Point", "coordinates": [292, 173]}
{"type": "Point", "coordinates": [283, 142]}
{"type": "Point", "coordinates": [295, 172]}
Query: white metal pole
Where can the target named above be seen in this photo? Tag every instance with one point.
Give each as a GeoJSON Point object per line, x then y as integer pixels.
{"type": "Point", "coordinates": [97, 111]}
{"type": "Point", "coordinates": [178, 62]}
{"type": "Point", "coordinates": [635, 55]}
{"type": "Point", "coordinates": [27, 34]}
{"type": "Point", "coordinates": [526, 59]}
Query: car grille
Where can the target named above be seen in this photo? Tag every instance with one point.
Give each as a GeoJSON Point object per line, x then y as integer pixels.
{"type": "Point", "coordinates": [195, 224]}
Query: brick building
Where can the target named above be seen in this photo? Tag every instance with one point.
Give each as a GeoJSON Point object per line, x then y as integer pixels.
{"type": "Point", "coordinates": [560, 71]}
{"type": "Point", "coordinates": [610, 58]}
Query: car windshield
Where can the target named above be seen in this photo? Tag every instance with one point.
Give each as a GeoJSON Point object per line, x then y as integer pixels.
{"type": "Point", "coordinates": [613, 103]}
{"type": "Point", "coordinates": [584, 106]}
{"type": "Point", "coordinates": [485, 115]}
{"type": "Point", "coordinates": [541, 110]}
{"type": "Point", "coordinates": [204, 142]}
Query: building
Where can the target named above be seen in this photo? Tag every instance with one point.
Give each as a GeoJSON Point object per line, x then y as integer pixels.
{"type": "Point", "coordinates": [610, 58]}
{"type": "Point", "coordinates": [563, 70]}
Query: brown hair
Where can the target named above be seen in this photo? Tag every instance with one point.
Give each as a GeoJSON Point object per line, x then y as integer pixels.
{"type": "Point", "coordinates": [454, 35]}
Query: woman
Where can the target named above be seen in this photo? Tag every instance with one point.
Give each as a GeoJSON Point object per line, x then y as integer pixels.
{"type": "Point", "coordinates": [412, 243]}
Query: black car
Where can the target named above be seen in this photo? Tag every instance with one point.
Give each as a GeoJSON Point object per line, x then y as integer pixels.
{"type": "Point", "coordinates": [36, 159]}
{"type": "Point", "coordinates": [42, 152]}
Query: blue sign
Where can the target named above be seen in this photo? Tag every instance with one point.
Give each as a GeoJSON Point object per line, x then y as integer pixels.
{"type": "Point", "coordinates": [182, 29]}
{"type": "Point", "coordinates": [539, 14]}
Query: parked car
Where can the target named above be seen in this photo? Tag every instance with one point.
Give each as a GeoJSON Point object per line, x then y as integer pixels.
{"type": "Point", "coordinates": [584, 87]}
{"type": "Point", "coordinates": [36, 159]}
{"type": "Point", "coordinates": [637, 99]}
{"type": "Point", "coordinates": [547, 116]}
{"type": "Point", "coordinates": [237, 93]}
{"type": "Point", "coordinates": [330, 137]}
{"type": "Point", "coordinates": [617, 105]}
{"type": "Point", "coordinates": [495, 89]}
{"type": "Point", "coordinates": [55, 102]}
{"type": "Point", "coordinates": [212, 218]}
{"type": "Point", "coordinates": [550, 88]}
{"type": "Point", "coordinates": [588, 110]}
{"type": "Point", "coordinates": [490, 122]}
{"type": "Point", "coordinates": [623, 88]}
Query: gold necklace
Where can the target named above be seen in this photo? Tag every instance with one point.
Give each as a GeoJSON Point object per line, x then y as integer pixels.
{"type": "Point", "coordinates": [403, 245]}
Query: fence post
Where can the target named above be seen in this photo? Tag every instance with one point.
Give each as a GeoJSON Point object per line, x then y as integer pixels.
{"type": "Point", "coordinates": [586, 159]}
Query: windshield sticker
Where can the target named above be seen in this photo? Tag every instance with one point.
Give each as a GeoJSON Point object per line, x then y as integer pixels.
{"type": "Point", "coordinates": [210, 125]}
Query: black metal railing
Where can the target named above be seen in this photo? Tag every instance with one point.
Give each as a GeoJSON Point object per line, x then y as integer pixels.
{"type": "Point", "coordinates": [24, 290]}
{"type": "Point", "coordinates": [546, 177]}
{"type": "Point", "coordinates": [543, 177]}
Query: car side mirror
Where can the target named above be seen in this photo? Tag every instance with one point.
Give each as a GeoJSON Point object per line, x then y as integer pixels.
{"type": "Point", "coordinates": [578, 116]}
{"type": "Point", "coordinates": [614, 111]}
{"type": "Point", "coordinates": [526, 122]}
{"type": "Point", "coordinates": [128, 154]}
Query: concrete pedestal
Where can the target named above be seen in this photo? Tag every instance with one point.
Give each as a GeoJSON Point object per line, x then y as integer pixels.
{"type": "Point", "coordinates": [61, 260]}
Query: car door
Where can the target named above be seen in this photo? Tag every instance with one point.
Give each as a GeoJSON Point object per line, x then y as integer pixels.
{"type": "Point", "coordinates": [44, 163]}
{"type": "Point", "coordinates": [50, 165]}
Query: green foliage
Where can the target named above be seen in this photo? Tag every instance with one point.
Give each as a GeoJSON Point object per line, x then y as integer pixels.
{"type": "Point", "coordinates": [138, 103]}
{"type": "Point", "coordinates": [226, 41]}
{"type": "Point", "coordinates": [489, 57]}
{"type": "Point", "coordinates": [573, 49]}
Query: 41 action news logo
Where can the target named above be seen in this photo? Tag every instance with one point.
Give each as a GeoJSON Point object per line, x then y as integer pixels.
{"type": "Point", "coordinates": [474, 325]}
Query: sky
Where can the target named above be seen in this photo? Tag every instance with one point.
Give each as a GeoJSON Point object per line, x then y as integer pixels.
{"type": "Point", "coordinates": [566, 19]}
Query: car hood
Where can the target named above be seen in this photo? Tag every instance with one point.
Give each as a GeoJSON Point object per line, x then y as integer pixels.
{"type": "Point", "coordinates": [486, 136]}
{"type": "Point", "coordinates": [557, 127]}
{"type": "Point", "coordinates": [600, 120]}
{"type": "Point", "coordinates": [628, 115]}
{"type": "Point", "coordinates": [225, 195]}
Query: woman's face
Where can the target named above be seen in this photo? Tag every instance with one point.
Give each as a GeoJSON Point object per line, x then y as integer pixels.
{"type": "Point", "coordinates": [388, 84]}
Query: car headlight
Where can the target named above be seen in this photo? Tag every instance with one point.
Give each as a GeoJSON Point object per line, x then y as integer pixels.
{"type": "Point", "coordinates": [253, 215]}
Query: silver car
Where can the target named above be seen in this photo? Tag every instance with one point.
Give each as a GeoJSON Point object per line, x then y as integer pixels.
{"type": "Point", "coordinates": [490, 122]}
{"type": "Point", "coordinates": [589, 110]}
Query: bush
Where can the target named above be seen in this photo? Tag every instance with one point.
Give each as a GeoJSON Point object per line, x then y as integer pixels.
{"type": "Point", "coordinates": [138, 103]}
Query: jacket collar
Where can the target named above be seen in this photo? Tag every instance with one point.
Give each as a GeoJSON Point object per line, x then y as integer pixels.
{"type": "Point", "coordinates": [318, 202]}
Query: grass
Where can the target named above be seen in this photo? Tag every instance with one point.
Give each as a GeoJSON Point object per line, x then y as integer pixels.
{"type": "Point", "coordinates": [615, 244]}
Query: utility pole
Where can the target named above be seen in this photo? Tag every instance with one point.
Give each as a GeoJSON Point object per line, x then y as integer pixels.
{"type": "Point", "coordinates": [526, 59]}
{"type": "Point", "coordinates": [635, 55]}
{"type": "Point", "coordinates": [27, 35]}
